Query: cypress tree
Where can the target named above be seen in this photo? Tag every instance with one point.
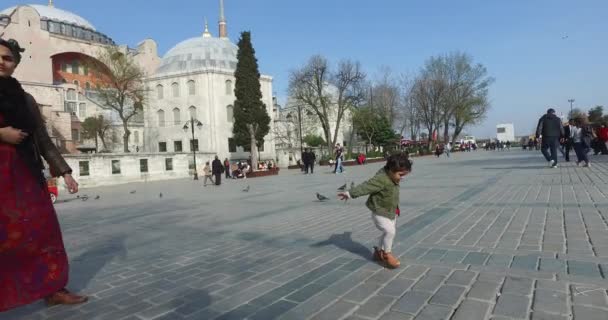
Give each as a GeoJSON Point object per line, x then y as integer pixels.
{"type": "Point", "coordinates": [251, 120]}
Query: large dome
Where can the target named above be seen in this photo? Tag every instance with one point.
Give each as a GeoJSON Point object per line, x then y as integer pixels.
{"type": "Point", "coordinates": [52, 13]}
{"type": "Point", "coordinates": [199, 54]}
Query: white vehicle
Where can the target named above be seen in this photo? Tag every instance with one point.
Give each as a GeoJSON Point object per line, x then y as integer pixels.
{"type": "Point", "coordinates": [469, 139]}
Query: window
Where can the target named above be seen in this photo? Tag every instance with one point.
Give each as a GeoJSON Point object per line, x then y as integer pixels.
{"type": "Point", "coordinates": [230, 113]}
{"type": "Point", "coordinates": [231, 145]}
{"type": "Point", "coordinates": [501, 130]}
{"type": "Point", "coordinates": [115, 166]}
{"type": "Point", "coordinates": [77, 83]}
{"type": "Point", "coordinates": [229, 87]}
{"type": "Point", "coordinates": [80, 96]}
{"type": "Point", "coordinates": [192, 111]}
{"type": "Point", "coordinates": [83, 167]}
{"type": "Point", "coordinates": [75, 67]}
{"type": "Point", "coordinates": [159, 92]}
{"type": "Point", "coordinates": [136, 136]}
{"type": "Point", "coordinates": [71, 107]}
{"type": "Point", "coordinates": [194, 145]}
{"type": "Point", "coordinates": [64, 67]}
{"type": "Point", "coordinates": [169, 164]}
{"type": "Point", "coordinates": [176, 117]}
{"type": "Point", "coordinates": [191, 88]}
{"type": "Point", "coordinates": [177, 146]}
{"type": "Point", "coordinates": [75, 135]}
{"type": "Point", "coordinates": [162, 147]}
{"type": "Point", "coordinates": [82, 111]}
{"type": "Point", "coordinates": [161, 118]}
{"type": "Point", "coordinates": [71, 94]}
{"type": "Point", "coordinates": [143, 165]}
{"type": "Point", "coordinates": [175, 89]}
{"type": "Point", "coordinates": [85, 70]}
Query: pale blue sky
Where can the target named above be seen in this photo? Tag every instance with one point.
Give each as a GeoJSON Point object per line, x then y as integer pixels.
{"type": "Point", "coordinates": [519, 41]}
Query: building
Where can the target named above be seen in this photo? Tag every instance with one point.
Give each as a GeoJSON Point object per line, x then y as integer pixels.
{"type": "Point", "coordinates": [193, 79]}
{"type": "Point", "coordinates": [505, 132]}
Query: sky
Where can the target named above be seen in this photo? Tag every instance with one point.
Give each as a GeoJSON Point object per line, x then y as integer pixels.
{"type": "Point", "coordinates": [540, 52]}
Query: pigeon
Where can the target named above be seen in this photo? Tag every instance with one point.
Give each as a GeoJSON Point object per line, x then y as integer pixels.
{"type": "Point", "coordinates": [133, 192]}
{"type": "Point", "coordinates": [84, 198]}
{"type": "Point", "coordinates": [160, 195]}
{"type": "Point", "coordinates": [342, 188]}
{"type": "Point", "coordinates": [247, 189]}
{"type": "Point", "coordinates": [322, 197]}
{"type": "Point", "coordinates": [97, 198]}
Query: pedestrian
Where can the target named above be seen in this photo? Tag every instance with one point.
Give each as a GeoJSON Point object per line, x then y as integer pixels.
{"type": "Point", "coordinates": [312, 158]}
{"type": "Point", "coordinates": [383, 202]}
{"type": "Point", "coordinates": [583, 134]}
{"type": "Point", "coordinates": [217, 169]}
{"type": "Point", "coordinates": [227, 168]}
{"type": "Point", "coordinates": [550, 130]}
{"type": "Point", "coordinates": [448, 148]}
{"type": "Point", "coordinates": [568, 139]}
{"type": "Point", "coordinates": [305, 161]}
{"type": "Point", "coordinates": [33, 261]}
{"type": "Point", "coordinates": [339, 153]}
{"type": "Point", "coordinates": [207, 173]}
{"type": "Point", "coordinates": [602, 136]}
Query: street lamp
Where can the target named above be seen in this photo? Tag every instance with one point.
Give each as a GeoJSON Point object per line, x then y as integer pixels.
{"type": "Point", "coordinates": [571, 102]}
{"type": "Point", "coordinates": [192, 122]}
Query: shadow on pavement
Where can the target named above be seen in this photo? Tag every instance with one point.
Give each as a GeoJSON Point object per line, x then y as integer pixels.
{"type": "Point", "coordinates": [344, 241]}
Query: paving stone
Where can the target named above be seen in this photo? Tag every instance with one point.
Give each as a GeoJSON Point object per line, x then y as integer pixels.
{"type": "Point", "coordinates": [336, 311]}
{"type": "Point", "coordinates": [453, 256]}
{"type": "Point", "coordinates": [447, 295]}
{"type": "Point", "coordinates": [306, 309]}
{"type": "Point", "coordinates": [588, 313]}
{"type": "Point", "coordinates": [589, 295]}
{"type": "Point", "coordinates": [461, 278]}
{"type": "Point", "coordinates": [476, 258]}
{"type": "Point", "coordinates": [499, 260]}
{"type": "Point", "coordinates": [434, 312]}
{"type": "Point", "coordinates": [581, 268]}
{"type": "Point", "coordinates": [550, 301]}
{"type": "Point", "coordinates": [305, 293]}
{"type": "Point", "coordinates": [472, 310]}
{"type": "Point", "coordinates": [413, 272]}
{"type": "Point", "coordinates": [552, 265]}
{"type": "Point", "coordinates": [411, 302]}
{"type": "Point", "coordinates": [525, 262]}
{"type": "Point", "coordinates": [483, 290]}
{"type": "Point", "coordinates": [429, 283]}
{"type": "Point", "coordinates": [518, 286]}
{"type": "Point", "coordinates": [375, 306]}
{"type": "Point", "coordinates": [362, 292]}
{"type": "Point", "coordinates": [396, 288]}
{"type": "Point", "coordinates": [552, 285]}
{"type": "Point", "coordinates": [513, 306]}
{"type": "Point", "coordinates": [433, 255]}
{"type": "Point", "coordinates": [396, 316]}
{"type": "Point", "coordinates": [539, 315]}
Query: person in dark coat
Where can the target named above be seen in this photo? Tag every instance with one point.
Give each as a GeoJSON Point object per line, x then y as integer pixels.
{"type": "Point", "coordinates": [216, 169]}
{"type": "Point", "coordinates": [310, 161]}
{"type": "Point", "coordinates": [568, 139]}
{"type": "Point", "coordinates": [551, 130]}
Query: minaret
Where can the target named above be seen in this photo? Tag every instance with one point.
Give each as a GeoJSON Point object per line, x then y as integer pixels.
{"type": "Point", "coordinates": [206, 34]}
{"type": "Point", "coordinates": [51, 3]}
{"type": "Point", "coordinates": [223, 28]}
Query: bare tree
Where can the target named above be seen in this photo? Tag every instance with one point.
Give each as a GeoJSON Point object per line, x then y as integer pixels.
{"type": "Point", "coordinates": [329, 94]}
{"type": "Point", "coordinates": [121, 86]}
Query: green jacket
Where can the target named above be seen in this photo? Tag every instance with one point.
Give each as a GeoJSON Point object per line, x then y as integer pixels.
{"type": "Point", "coordinates": [383, 194]}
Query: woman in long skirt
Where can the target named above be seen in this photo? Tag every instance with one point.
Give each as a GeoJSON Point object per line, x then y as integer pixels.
{"type": "Point", "coordinates": [33, 261]}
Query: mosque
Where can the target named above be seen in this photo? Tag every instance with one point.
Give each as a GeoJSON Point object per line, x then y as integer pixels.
{"type": "Point", "coordinates": [193, 80]}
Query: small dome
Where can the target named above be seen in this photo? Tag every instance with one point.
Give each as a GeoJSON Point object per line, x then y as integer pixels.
{"type": "Point", "coordinates": [52, 13]}
{"type": "Point", "coordinates": [199, 54]}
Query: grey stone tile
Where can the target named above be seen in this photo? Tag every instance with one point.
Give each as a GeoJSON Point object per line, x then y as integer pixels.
{"type": "Point", "coordinates": [483, 290]}
{"type": "Point", "coordinates": [375, 306]}
{"type": "Point", "coordinates": [581, 268]}
{"type": "Point", "coordinates": [448, 296]}
{"type": "Point", "coordinates": [461, 278]}
{"type": "Point", "coordinates": [588, 313]}
{"type": "Point", "coordinates": [499, 260]}
{"type": "Point", "coordinates": [434, 312]}
{"type": "Point", "coordinates": [413, 272]}
{"type": "Point", "coordinates": [550, 301]}
{"type": "Point", "coordinates": [472, 310]}
{"type": "Point", "coordinates": [518, 286]}
{"type": "Point", "coordinates": [429, 283]}
{"type": "Point", "coordinates": [362, 292]}
{"type": "Point", "coordinates": [525, 262]}
{"type": "Point", "coordinates": [453, 256]}
{"type": "Point", "coordinates": [273, 311]}
{"type": "Point", "coordinates": [476, 258]}
{"type": "Point", "coordinates": [305, 293]}
{"type": "Point", "coordinates": [336, 311]}
{"type": "Point", "coordinates": [513, 306]}
{"type": "Point", "coordinates": [396, 288]}
{"type": "Point", "coordinates": [539, 315]}
{"type": "Point", "coordinates": [589, 295]}
{"type": "Point", "coordinates": [552, 265]}
{"type": "Point", "coordinates": [310, 307]}
{"type": "Point", "coordinates": [396, 316]}
{"type": "Point", "coordinates": [411, 302]}
{"type": "Point", "coordinates": [552, 285]}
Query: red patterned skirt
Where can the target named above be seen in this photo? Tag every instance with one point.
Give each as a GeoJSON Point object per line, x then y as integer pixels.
{"type": "Point", "coordinates": [33, 262]}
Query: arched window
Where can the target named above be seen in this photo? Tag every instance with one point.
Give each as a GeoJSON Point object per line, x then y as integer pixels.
{"type": "Point", "coordinates": [161, 118]}
{"type": "Point", "coordinates": [192, 112]}
{"type": "Point", "coordinates": [175, 89]}
{"type": "Point", "coordinates": [230, 113]}
{"type": "Point", "coordinates": [159, 91]}
{"type": "Point", "coordinates": [76, 82]}
{"type": "Point", "coordinates": [177, 118]}
{"type": "Point", "coordinates": [71, 94]}
{"type": "Point", "coordinates": [229, 87]}
{"type": "Point", "coordinates": [191, 88]}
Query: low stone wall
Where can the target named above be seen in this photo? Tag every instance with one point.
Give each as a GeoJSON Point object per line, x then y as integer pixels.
{"type": "Point", "coordinates": [93, 170]}
{"type": "Point", "coordinates": [263, 173]}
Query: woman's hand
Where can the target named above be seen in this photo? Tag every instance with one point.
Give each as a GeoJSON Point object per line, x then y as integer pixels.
{"type": "Point", "coordinates": [12, 136]}
{"type": "Point", "coordinates": [344, 196]}
{"type": "Point", "coordinates": [70, 183]}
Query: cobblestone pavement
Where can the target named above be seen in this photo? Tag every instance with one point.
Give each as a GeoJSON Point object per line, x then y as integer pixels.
{"type": "Point", "coordinates": [482, 236]}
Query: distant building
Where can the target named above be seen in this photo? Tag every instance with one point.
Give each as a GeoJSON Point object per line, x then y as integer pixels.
{"type": "Point", "coordinates": [505, 132]}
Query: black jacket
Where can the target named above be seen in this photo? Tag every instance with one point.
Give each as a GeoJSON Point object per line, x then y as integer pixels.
{"type": "Point", "coordinates": [550, 125]}
{"type": "Point", "coordinates": [216, 166]}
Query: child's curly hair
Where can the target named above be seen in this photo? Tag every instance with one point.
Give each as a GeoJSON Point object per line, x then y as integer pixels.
{"type": "Point", "coordinates": [399, 162]}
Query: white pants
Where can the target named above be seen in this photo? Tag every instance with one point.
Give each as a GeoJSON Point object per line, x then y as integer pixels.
{"type": "Point", "coordinates": [387, 226]}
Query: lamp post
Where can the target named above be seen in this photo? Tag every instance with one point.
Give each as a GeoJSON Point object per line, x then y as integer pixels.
{"type": "Point", "coordinates": [192, 122]}
{"type": "Point", "coordinates": [571, 102]}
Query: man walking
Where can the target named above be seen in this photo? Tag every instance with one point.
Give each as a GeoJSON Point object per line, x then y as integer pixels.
{"type": "Point", "coordinates": [448, 148]}
{"type": "Point", "coordinates": [550, 130]}
{"type": "Point", "coordinates": [216, 169]}
{"type": "Point", "coordinates": [568, 139]}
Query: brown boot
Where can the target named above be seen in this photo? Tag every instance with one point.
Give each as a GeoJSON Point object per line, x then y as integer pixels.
{"type": "Point", "coordinates": [63, 296]}
{"type": "Point", "coordinates": [390, 260]}
{"type": "Point", "coordinates": [377, 254]}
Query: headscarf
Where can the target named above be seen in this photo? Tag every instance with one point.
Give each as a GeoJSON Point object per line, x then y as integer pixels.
{"type": "Point", "coordinates": [14, 47]}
